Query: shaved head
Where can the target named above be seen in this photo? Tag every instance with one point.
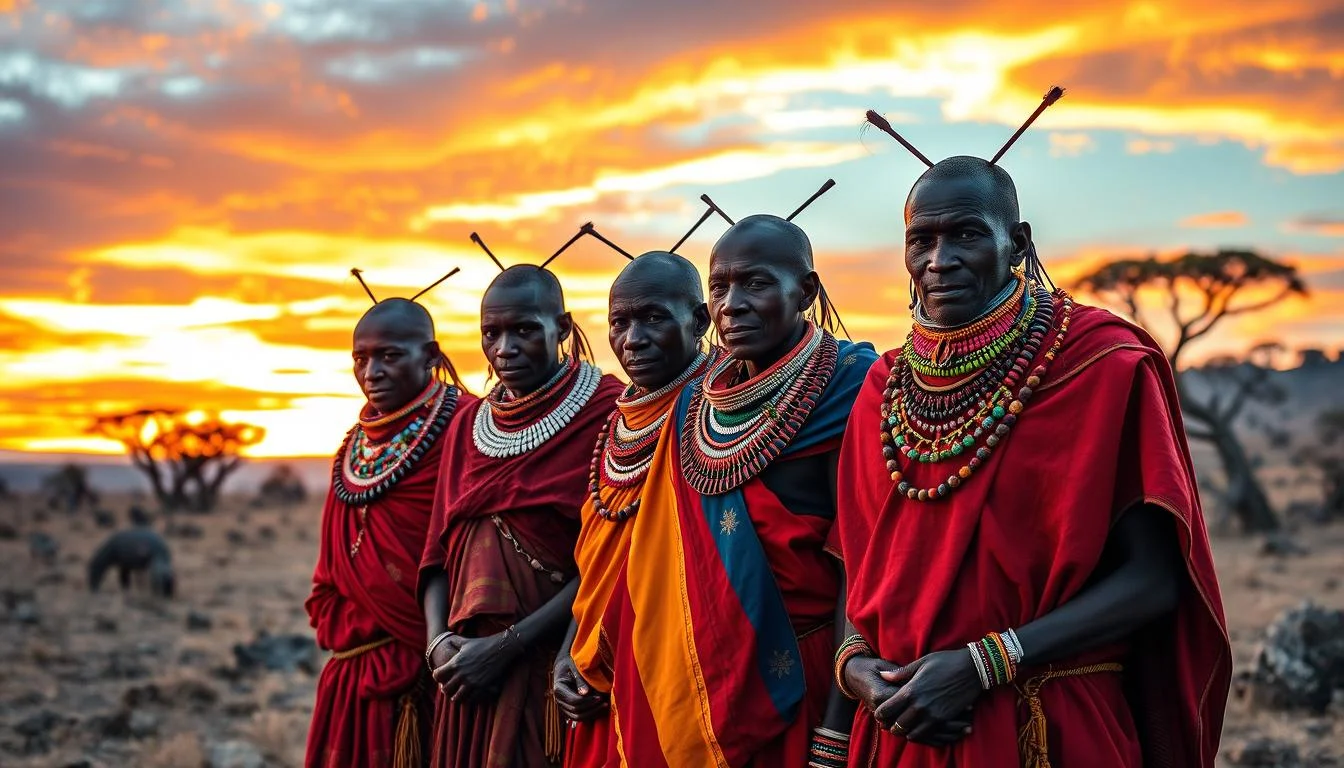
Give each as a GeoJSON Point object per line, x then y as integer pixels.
{"type": "Point", "coordinates": [524, 279]}
{"type": "Point", "coordinates": [673, 274]}
{"type": "Point", "coordinates": [399, 318]}
{"type": "Point", "coordinates": [769, 237]}
{"type": "Point", "coordinates": [1000, 191]}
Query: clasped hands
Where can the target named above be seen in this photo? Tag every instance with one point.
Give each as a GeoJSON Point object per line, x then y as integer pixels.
{"type": "Point", "coordinates": [469, 669]}
{"type": "Point", "coordinates": [576, 699]}
{"type": "Point", "coordinates": [929, 701]}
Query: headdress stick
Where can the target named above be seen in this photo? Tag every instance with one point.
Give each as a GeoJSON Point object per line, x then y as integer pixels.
{"type": "Point", "coordinates": [884, 125]}
{"type": "Point", "coordinates": [475, 238]}
{"type": "Point", "coordinates": [435, 284]}
{"type": "Point", "coordinates": [589, 229]}
{"type": "Point", "coordinates": [1051, 96]}
{"type": "Point", "coordinates": [713, 206]}
{"type": "Point", "coordinates": [357, 272]}
{"type": "Point", "coordinates": [703, 218]}
{"type": "Point", "coordinates": [824, 189]}
{"type": "Point", "coordinates": [565, 247]}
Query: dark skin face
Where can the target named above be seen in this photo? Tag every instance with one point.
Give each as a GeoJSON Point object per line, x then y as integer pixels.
{"type": "Point", "coordinates": [394, 359]}
{"type": "Point", "coordinates": [521, 332]}
{"type": "Point", "coordinates": [958, 250]}
{"type": "Point", "coordinates": [759, 290]}
{"type": "Point", "coordinates": [654, 326]}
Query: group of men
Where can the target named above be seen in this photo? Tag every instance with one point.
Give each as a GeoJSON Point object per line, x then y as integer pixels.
{"type": "Point", "coordinates": [983, 548]}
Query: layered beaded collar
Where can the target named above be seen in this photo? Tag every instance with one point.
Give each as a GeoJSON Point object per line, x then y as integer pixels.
{"type": "Point", "coordinates": [382, 448]}
{"type": "Point", "coordinates": [626, 445]}
{"type": "Point", "coordinates": [507, 427]}
{"type": "Point", "coordinates": [953, 395]}
{"type": "Point", "coordinates": [733, 431]}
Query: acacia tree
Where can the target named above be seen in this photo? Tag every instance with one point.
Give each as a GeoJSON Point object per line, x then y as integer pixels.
{"type": "Point", "coordinates": [186, 456]}
{"type": "Point", "coordinates": [1190, 295]}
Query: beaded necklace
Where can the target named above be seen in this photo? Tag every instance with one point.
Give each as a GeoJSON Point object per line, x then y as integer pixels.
{"type": "Point", "coordinates": [505, 428]}
{"type": "Point", "coordinates": [733, 432]}
{"type": "Point", "coordinates": [930, 422]}
{"type": "Point", "coordinates": [365, 469]}
{"type": "Point", "coordinates": [623, 455]}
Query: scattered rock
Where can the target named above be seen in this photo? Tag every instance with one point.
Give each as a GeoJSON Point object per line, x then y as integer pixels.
{"type": "Point", "coordinates": [104, 623]}
{"type": "Point", "coordinates": [234, 754]}
{"type": "Point", "coordinates": [192, 658]}
{"type": "Point", "coordinates": [26, 613]}
{"type": "Point", "coordinates": [83, 762]}
{"type": "Point", "coordinates": [1330, 584]}
{"type": "Point", "coordinates": [104, 518]}
{"type": "Point", "coordinates": [51, 577]}
{"type": "Point", "coordinates": [186, 531]}
{"type": "Point", "coordinates": [266, 533]}
{"type": "Point", "coordinates": [1265, 753]}
{"type": "Point", "coordinates": [8, 532]}
{"type": "Point", "coordinates": [278, 653]}
{"type": "Point", "coordinates": [198, 621]}
{"type": "Point", "coordinates": [43, 548]}
{"type": "Point", "coordinates": [121, 666]}
{"type": "Point", "coordinates": [241, 708]}
{"type": "Point", "coordinates": [36, 730]}
{"type": "Point", "coordinates": [1300, 665]}
{"type": "Point", "coordinates": [1281, 544]}
{"type": "Point", "coordinates": [235, 537]}
{"type": "Point", "coordinates": [138, 515]}
{"type": "Point", "coordinates": [128, 724]}
{"type": "Point", "coordinates": [286, 701]}
{"type": "Point", "coordinates": [1318, 728]}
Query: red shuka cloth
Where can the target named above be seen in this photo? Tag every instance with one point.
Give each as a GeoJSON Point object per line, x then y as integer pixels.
{"type": "Point", "coordinates": [490, 586]}
{"type": "Point", "coordinates": [1021, 538]}
{"type": "Point", "coordinates": [360, 600]}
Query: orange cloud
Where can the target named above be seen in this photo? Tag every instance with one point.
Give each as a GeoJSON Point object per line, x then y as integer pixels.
{"type": "Point", "coordinates": [1331, 226]}
{"type": "Point", "coordinates": [1215, 220]}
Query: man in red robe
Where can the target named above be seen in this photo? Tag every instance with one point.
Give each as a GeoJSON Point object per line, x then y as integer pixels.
{"type": "Point", "coordinates": [1030, 579]}
{"type": "Point", "coordinates": [374, 693]}
{"type": "Point", "coordinates": [656, 321]}
{"type": "Point", "coordinates": [498, 575]}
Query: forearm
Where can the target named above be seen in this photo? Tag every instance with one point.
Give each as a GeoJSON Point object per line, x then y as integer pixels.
{"type": "Point", "coordinates": [1144, 585]}
{"type": "Point", "coordinates": [550, 618]}
{"type": "Point", "coordinates": [570, 632]}
{"type": "Point", "coordinates": [435, 604]}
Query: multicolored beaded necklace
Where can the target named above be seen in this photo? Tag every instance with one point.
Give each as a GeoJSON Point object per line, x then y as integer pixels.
{"type": "Point", "coordinates": [366, 469]}
{"type": "Point", "coordinates": [623, 455]}
{"type": "Point", "coordinates": [734, 431]}
{"type": "Point", "coordinates": [960, 391]}
{"type": "Point", "coordinates": [507, 427]}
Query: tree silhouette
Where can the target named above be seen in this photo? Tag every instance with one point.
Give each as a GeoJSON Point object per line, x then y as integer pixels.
{"type": "Point", "coordinates": [186, 456]}
{"type": "Point", "coordinates": [282, 487]}
{"type": "Point", "coordinates": [1183, 299]}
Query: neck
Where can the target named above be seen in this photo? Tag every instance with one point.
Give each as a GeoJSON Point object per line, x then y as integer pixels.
{"type": "Point", "coordinates": [754, 367]}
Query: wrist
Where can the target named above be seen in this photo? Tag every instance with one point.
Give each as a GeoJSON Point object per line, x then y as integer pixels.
{"type": "Point", "coordinates": [995, 658]}
{"type": "Point", "coordinates": [852, 648]}
{"type": "Point", "coordinates": [829, 748]}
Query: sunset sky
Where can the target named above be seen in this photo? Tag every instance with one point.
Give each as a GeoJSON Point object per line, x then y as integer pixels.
{"type": "Point", "coordinates": [185, 184]}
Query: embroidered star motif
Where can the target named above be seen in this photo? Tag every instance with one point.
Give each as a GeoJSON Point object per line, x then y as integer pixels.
{"type": "Point", "coordinates": [849, 359]}
{"type": "Point", "coordinates": [728, 522]}
{"type": "Point", "coordinates": [781, 664]}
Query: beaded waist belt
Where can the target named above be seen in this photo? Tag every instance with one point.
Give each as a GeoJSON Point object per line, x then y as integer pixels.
{"type": "Point", "coordinates": [1032, 738]}
{"type": "Point", "coordinates": [360, 650]}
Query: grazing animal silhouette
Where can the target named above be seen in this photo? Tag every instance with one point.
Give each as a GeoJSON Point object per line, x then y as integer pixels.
{"type": "Point", "coordinates": [138, 549]}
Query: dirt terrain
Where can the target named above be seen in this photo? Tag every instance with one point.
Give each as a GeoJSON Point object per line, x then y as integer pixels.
{"type": "Point", "coordinates": [111, 680]}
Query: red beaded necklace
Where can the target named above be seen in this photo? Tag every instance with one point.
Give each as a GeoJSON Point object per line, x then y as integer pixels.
{"type": "Point", "coordinates": [931, 422]}
{"type": "Point", "coordinates": [733, 432]}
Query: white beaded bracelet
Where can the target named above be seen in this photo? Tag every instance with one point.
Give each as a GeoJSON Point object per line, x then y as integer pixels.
{"type": "Point", "coordinates": [979, 665]}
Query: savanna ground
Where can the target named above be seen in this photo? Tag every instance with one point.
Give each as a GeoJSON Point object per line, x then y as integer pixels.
{"type": "Point", "coordinates": [126, 682]}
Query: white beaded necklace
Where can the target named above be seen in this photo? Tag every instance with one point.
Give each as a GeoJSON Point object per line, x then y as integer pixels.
{"type": "Point", "coordinates": [496, 442]}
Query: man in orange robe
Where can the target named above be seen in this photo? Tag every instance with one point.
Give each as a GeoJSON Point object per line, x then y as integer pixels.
{"type": "Point", "coordinates": [374, 693]}
{"type": "Point", "coordinates": [498, 574]}
{"type": "Point", "coordinates": [656, 320]}
{"type": "Point", "coordinates": [1028, 565]}
{"type": "Point", "coordinates": [721, 627]}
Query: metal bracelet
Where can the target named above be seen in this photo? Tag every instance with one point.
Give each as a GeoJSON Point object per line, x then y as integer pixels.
{"type": "Point", "coordinates": [435, 644]}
